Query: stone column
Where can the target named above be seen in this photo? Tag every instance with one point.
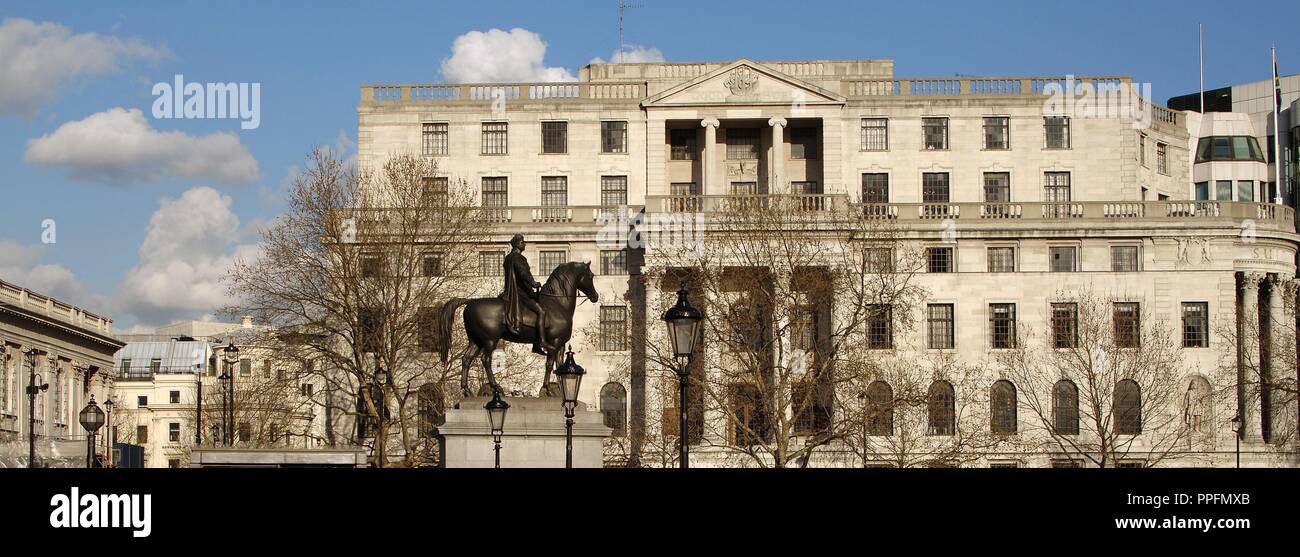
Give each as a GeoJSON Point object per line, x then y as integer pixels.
{"type": "Point", "coordinates": [710, 161]}
{"type": "Point", "coordinates": [776, 177]}
{"type": "Point", "coordinates": [1248, 370]}
{"type": "Point", "coordinates": [1281, 359]}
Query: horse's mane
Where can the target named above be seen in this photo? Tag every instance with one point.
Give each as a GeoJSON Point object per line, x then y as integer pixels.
{"type": "Point", "coordinates": [564, 271]}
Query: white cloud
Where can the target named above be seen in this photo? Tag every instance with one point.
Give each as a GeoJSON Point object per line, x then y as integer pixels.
{"type": "Point", "coordinates": [189, 245]}
{"type": "Point", "coordinates": [632, 54]}
{"type": "Point", "coordinates": [41, 59]}
{"type": "Point", "coordinates": [494, 56]}
{"type": "Point", "coordinates": [119, 145]}
{"type": "Point", "coordinates": [21, 264]}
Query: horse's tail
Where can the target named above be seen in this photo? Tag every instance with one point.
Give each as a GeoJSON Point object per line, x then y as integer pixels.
{"type": "Point", "coordinates": [445, 318]}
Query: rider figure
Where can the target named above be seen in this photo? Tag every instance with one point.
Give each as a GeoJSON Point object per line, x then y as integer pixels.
{"type": "Point", "coordinates": [522, 292]}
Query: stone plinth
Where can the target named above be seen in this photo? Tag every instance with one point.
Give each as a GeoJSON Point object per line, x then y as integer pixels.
{"type": "Point", "coordinates": [534, 435]}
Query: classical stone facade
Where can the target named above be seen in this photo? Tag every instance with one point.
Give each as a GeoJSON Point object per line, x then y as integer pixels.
{"type": "Point", "coordinates": [1032, 193]}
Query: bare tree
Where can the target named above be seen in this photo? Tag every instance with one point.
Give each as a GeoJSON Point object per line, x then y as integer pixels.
{"type": "Point", "coordinates": [1105, 385]}
{"type": "Point", "coordinates": [792, 291]}
{"type": "Point", "coordinates": [357, 266]}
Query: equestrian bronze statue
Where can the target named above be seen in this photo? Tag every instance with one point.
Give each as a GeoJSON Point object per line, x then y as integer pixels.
{"type": "Point", "coordinates": [526, 313]}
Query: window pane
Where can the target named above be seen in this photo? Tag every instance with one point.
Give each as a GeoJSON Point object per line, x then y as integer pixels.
{"type": "Point", "coordinates": [1002, 325]}
{"type": "Point", "coordinates": [1063, 259]}
{"type": "Point", "coordinates": [939, 260]}
{"type": "Point", "coordinates": [555, 137]}
{"type": "Point", "coordinates": [742, 143]}
{"type": "Point", "coordinates": [1002, 260]}
{"type": "Point", "coordinates": [683, 144]}
{"type": "Point", "coordinates": [1124, 259]}
{"type": "Point", "coordinates": [875, 188]}
{"type": "Point", "coordinates": [997, 132]}
{"type": "Point", "coordinates": [613, 137]}
{"type": "Point", "coordinates": [613, 191]}
{"type": "Point", "coordinates": [939, 317]}
{"type": "Point", "coordinates": [434, 138]}
{"type": "Point", "coordinates": [1246, 190]}
{"type": "Point", "coordinates": [1223, 190]}
{"type": "Point", "coordinates": [1128, 324]}
{"type": "Point", "coordinates": [613, 328]}
{"type": "Point", "coordinates": [936, 133]}
{"type": "Point", "coordinates": [613, 262]}
{"type": "Point", "coordinates": [997, 187]}
{"type": "Point", "coordinates": [495, 138]}
{"type": "Point", "coordinates": [934, 187]}
{"type": "Point", "coordinates": [1057, 131]}
{"type": "Point", "coordinates": [1196, 325]}
{"type": "Point", "coordinates": [1065, 325]}
{"type": "Point", "coordinates": [875, 134]}
{"type": "Point", "coordinates": [803, 143]}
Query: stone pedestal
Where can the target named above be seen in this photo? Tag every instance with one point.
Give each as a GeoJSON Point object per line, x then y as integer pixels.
{"type": "Point", "coordinates": [534, 435]}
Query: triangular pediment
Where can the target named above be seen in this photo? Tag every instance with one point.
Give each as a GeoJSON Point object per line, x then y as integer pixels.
{"type": "Point", "coordinates": [744, 82]}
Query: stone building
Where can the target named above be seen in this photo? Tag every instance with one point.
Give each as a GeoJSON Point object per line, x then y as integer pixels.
{"type": "Point", "coordinates": [1016, 188]}
{"type": "Point", "coordinates": [72, 352]}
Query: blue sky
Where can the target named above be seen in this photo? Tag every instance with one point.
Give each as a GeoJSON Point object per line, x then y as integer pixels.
{"type": "Point", "coordinates": [311, 58]}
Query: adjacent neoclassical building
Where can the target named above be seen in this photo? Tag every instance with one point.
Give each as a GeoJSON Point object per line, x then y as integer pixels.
{"type": "Point", "coordinates": [1015, 189]}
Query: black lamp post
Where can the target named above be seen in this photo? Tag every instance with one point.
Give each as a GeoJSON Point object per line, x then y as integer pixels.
{"type": "Point", "coordinates": [380, 401]}
{"type": "Point", "coordinates": [1236, 428]}
{"type": "Point", "coordinates": [32, 390]}
{"type": "Point", "coordinates": [683, 322]}
{"type": "Point", "coordinates": [231, 355]}
{"type": "Point", "coordinates": [108, 420]}
{"type": "Point", "coordinates": [496, 409]}
{"type": "Point", "coordinates": [570, 376]}
{"type": "Point", "coordinates": [198, 405]}
{"type": "Point", "coordinates": [91, 418]}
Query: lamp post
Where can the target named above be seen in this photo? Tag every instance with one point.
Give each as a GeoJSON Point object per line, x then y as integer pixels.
{"type": "Point", "coordinates": [1236, 429]}
{"type": "Point", "coordinates": [380, 402]}
{"type": "Point", "coordinates": [231, 355]}
{"type": "Point", "coordinates": [32, 390]}
{"type": "Point", "coordinates": [683, 322]}
{"type": "Point", "coordinates": [496, 409]}
{"type": "Point", "coordinates": [198, 405]}
{"type": "Point", "coordinates": [570, 376]}
{"type": "Point", "coordinates": [91, 418]}
{"type": "Point", "coordinates": [108, 420]}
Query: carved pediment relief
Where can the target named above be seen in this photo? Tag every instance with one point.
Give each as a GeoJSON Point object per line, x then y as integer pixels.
{"type": "Point", "coordinates": [745, 82]}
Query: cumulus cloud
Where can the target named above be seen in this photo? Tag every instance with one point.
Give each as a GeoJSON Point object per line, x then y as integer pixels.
{"type": "Point", "coordinates": [22, 265]}
{"type": "Point", "coordinates": [500, 56]}
{"type": "Point", "coordinates": [42, 58]}
{"type": "Point", "coordinates": [189, 245]}
{"type": "Point", "coordinates": [119, 145]}
{"type": "Point", "coordinates": [632, 54]}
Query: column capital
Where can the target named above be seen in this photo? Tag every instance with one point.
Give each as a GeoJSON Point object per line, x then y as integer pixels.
{"type": "Point", "coordinates": [709, 123]}
{"type": "Point", "coordinates": [1251, 279]}
{"type": "Point", "coordinates": [774, 122]}
{"type": "Point", "coordinates": [1282, 280]}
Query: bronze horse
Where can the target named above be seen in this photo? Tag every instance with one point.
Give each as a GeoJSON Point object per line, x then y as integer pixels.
{"type": "Point", "coordinates": [485, 322]}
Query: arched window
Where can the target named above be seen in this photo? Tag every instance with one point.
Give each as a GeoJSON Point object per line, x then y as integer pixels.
{"type": "Point", "coordinates": [1198, 410]}
{"type": "Point", "coordinates": [1128, 407]}
{"type": "Point", "coordinates": [613, 406]}
{"type": "Point", "coordinates": [942, 408]}
{"type": "Point", "coordinates": [1065, 408]}
{"type": "Point", "coordinates": [432, 408]}
{"type": "Point", "coordinates": [880, 408]}
{"type": "Point", "coordinates": [1002, 407]}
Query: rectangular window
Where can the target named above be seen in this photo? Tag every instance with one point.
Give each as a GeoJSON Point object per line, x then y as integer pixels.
{"type": "Point", "coordinates": [426, 337]}
{"type": "Point", "coordinates": [742, 144]}
{"type": "Point", "coordinates": [370, 329]}
{"type": "Point", "coordinates": [1246, 190]}
{"type": "Point", "coordinates": [879, 260]}
{"type": "Point", "coordinates": [875, 187]}
{"type": "Point", "coordinates": [372, 266]}
{"type": "Point", "coordinates": [875, 134]}
{"type": "Point", "coordinates": [613, 137]}
{"type": "Point", "coordinates": [613, 262]}
{"type": "Point", "coordinates": [434, 138]}
{"type": "Point", "coordinates": [1162, 158]}
{"type": "Point", "coordinates": [1065, 325]}
{"type": "Point", "coordinates": [155, 365]}
{"type": "Point", "coordinates": [1063, 259]}
{"type": "Point", "coordinates": [1128, 324]}
{"type": "Point", "coordinates": [496, 138]}
{"type": "Point", "coordinates": [1196, 324]}
{"type": "Point", "coordinates": [936, 133]}
{"type": "Point", "coordinates": [1057, 131]}
{"type": "Point", "coordinates": [940, 321]}
{"type": "Point", "coordinates": [613, 191]}
{"type": "Point", "coordinates": [997, 133]}
{"type": "Point", "coordinates": [434, 191]}
{"type": "Point", "coordinates": [555, 193]}
{"type": "Point", "coordinates": [1202, 191]}
{"type": "Point", "coordinates": [1056, 187]}
{"type": "Point", "coordinates": [142, 434]}
{"type": "Point", "coordinates": [245, 367]}
{"type": "Point", "coordinates": [1142, 149]}
{"type": "Point", "coordinates": [1002, 259]}
{"type": "Point", "coordinates": [174, 432]}
{"type": "Point", "coordinates": [548, 260]}
{"type": "Point", "coordinates": [1124, 259]}
{"type": "Point", "coordinates": [245, 432]}
{"type": "Point", "coordinates": [880, 334]}
{"type": "Point", "coordinates": [1066, 464]}
{"type": "Point", "coordinates": [683, 144]}
{"type": "Point", "coordinates": [997, 187]}
{"type": "Point", "coordinates": [142, 401]}
{"type": "Point", "coordinates": [803, 143]}
{"type": "Point", "coordinates": [490, 264]}
{"type": "Point", "coordinates": [1223, 190]}
{"type": "Point", "coordinates": [940, 260]}
{"type": "Point", "coordinates": [934, 187]}
{"type": "Point", "coordinates": [1002, 325]}
{"type": "Point", "coordinates": [613, 328]}
{"type": "Point", "coordinates": [431, 265]}
{"type": "Point", "coordinates": [555, 138]}
{"type": "Point", "coordinates": [496, 191]}
{"type": "Point", "coordinates": [174, 397]}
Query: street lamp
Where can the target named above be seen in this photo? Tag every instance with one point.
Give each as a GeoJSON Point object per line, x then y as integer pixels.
{"type": "Point", "coordinates": [108, 437]}
{"type": "Point", "coordinates": [683, 322]}
{"type": "Point", "coordinates": [198, 405]}
{"type": "Point", "coordinates": [1236, 428]}
{"type": "Point", "coordinates": [91, 418]}
{"type": "Point", "coordinates": [32, 390]}
{"type": "Point", "coordinates": [570, 376]}
{"type": "Point", "coordinates": [231, 355]}
{"type": "Point", "coordinates": [496, 409]}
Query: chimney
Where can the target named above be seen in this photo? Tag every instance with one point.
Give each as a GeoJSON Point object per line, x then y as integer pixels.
{"type": "Point", "coordinates": [247, 323]}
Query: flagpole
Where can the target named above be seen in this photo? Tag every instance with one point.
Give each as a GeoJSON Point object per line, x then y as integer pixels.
{"type": "Point", "coordinates": [1277, 132]}
{"type": "Point", "coordinates": [1201, 27]}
